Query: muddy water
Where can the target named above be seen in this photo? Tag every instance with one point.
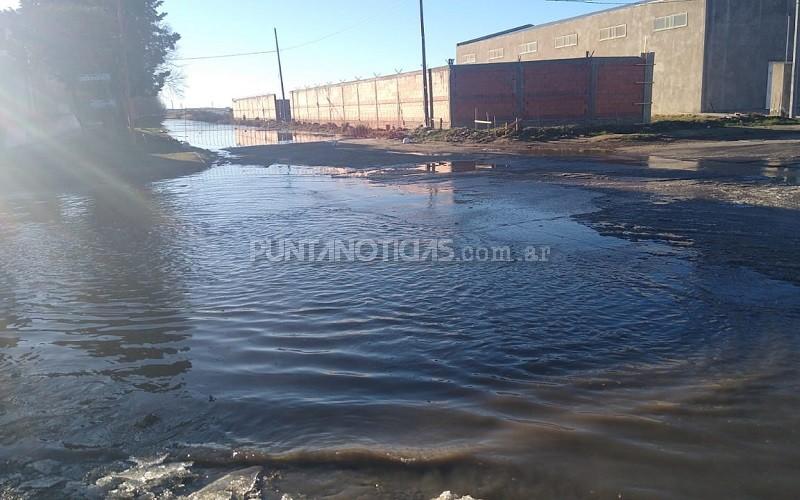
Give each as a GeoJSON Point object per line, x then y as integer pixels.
{"type": "Point", "coordinates": [216, 137]}
{"type": "Point", "coordinates": [142, 326]}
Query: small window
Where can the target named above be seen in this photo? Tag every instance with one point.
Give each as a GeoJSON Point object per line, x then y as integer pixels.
{"type": "Point", "coordinates": [529, 48]}
{"type": "Point", "coordinates": [671, 22]}
{"type": "Point", "coordinates": [566, 41]}
{"type": "Point", "coordinates": [613, 32]}
{"type": "Point", "coordinates": [497, 53]}
{"type": "Point", "coordinates": [468, 58]}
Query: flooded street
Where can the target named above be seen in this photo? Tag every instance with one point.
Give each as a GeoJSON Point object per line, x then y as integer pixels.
{"type": "Point", "coordinates": [216, 137]}
{"type": "Point", "coordinates": [620, 361]}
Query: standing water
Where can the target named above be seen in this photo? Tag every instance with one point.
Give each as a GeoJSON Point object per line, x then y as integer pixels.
{"type": "Point", "coordinates": [164, 326]}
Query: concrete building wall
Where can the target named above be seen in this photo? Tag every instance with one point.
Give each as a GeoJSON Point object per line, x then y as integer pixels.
{"type": "Point", "coordinates": [679, 52]}
{"type": "Point", "coordinates": [394, 101]}
{"type": "Point", "coordinates": [743, 38]}
{"type": "Point", "coordinates": [263, 108]}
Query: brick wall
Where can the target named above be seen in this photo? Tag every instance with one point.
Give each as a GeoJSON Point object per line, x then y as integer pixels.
{"type": "Point", "coordinates": [551, 92]}
{"type": "Point", "coordinates": [607, 89]}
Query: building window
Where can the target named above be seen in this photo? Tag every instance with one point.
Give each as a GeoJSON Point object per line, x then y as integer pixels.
{"type": "Point", "coordinates": [496, 53]}
{"type": "Point", "coordinates": [613, 32]}
{"type": "Point", "coordinates": [566, 41]}
{"type": "Point", "coordinates": [468, 58]}
{"type": "Point", "coordinates": [671, 22]}
{"type": "Point", "coordinates": [529, 48]}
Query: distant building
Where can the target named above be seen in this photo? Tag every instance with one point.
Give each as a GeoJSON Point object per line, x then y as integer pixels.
{"type": "Point", "coordinates": [711, 55]}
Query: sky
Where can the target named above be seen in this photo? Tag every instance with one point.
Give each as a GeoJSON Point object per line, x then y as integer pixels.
{"type": "Point", "coordinates": [341, 39]}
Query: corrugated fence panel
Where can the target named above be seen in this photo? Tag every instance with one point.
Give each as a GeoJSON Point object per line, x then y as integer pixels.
{"type": "Point", "coordinates": [393, 101]}
{"type": "Point", "coordinates": [255, 108]}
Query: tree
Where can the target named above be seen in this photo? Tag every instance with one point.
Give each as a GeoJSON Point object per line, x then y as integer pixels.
{"type": "Point", "coordinates": [128, 39]}
{"type": "Point", "coordinates": [9, 44]}
{"type": "Point", "coordinates": [149, 41]}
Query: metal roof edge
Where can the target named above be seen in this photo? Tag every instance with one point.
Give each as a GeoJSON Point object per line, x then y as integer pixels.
{"type": "Point", "coordinates": [529, 27]}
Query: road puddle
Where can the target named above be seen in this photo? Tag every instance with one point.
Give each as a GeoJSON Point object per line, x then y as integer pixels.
{"type": "Point", "coordinates": [776, 170]}
{"type": "Point", "coordinates": [460, 166]}
{"type": "Point", "coordinates": [216, 137]}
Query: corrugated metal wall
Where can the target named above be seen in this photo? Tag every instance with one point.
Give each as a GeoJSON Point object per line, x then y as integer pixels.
{"type": "Point", "coordinates": [394, 101]}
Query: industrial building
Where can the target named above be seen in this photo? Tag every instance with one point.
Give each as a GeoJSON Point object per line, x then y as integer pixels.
{"type": "Point", "coordinates": [261, 108]}
{"type": "Point", "coordinates": [581, 90]}
{"type": "Point", "coordinates": [711, 55]}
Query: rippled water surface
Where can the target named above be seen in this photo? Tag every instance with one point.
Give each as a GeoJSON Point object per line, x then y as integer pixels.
{"type": "Point", "coordinates": [138, 325]}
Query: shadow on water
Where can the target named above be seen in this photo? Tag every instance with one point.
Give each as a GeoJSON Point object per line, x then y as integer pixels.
{"type": "Point", "coordinates": [95, 317]}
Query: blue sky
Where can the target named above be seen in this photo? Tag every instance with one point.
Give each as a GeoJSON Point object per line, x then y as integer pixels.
{"type": "Point", "coordinates": [380, 36]}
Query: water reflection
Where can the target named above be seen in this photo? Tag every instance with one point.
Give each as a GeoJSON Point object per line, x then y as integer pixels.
{"type": "Point", "coordinates": [255, 137]}
{"type": "Point", "coordinates": [783, 172]}
{"type": "Point", "coordinates": [221, 136]}
{"type": "Point", "coordinates": [459, 166]}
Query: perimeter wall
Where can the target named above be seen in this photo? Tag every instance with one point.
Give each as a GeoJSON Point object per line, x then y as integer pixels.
{"type": "Point", "coordinates": [583, 90]}
{"type": "Point", "coordinates": [261, 108]}
{"type": "Point", "coordinates": [565, 91]}
{"type": "Point", "coordinates": [386, 101]}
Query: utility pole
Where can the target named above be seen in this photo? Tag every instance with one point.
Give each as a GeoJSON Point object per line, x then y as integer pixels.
{"type": "Point", "coordinates": [126, 83]}
{"type": "Point", "coordinates": [793, 97]}
{"type": "Point", "coordinates": [280, 115]}
{"type": "Point", "coordinates": [425, 65]}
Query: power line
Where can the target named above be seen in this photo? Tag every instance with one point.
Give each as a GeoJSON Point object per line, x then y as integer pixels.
{"type": "Point", "coordinates": [361, 22]}
{"type": "Point", "coordinates": [603, 2]}
{"type": "Point", "coordinates": [293, 47]}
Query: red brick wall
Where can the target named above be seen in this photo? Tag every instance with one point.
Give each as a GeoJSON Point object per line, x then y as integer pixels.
{"type": "Point", "coordinates": [556, 90]}
{"type": "Point", "coordinates": [546, 92]}
{"type": "Point", "coordinates": [476, 90]}
{"type": "Point", "coordinates": [619, 92]}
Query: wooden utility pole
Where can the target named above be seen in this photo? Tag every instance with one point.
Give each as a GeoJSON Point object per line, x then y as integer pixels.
{"type": "Point", "coordinates": [126, 83]}
{"type": "Point", "coordinates": [425, 66]}
{"type": "Point", "coordinates": [280, 68]}
{"type": "Point", "coordinates": [280, 112]}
